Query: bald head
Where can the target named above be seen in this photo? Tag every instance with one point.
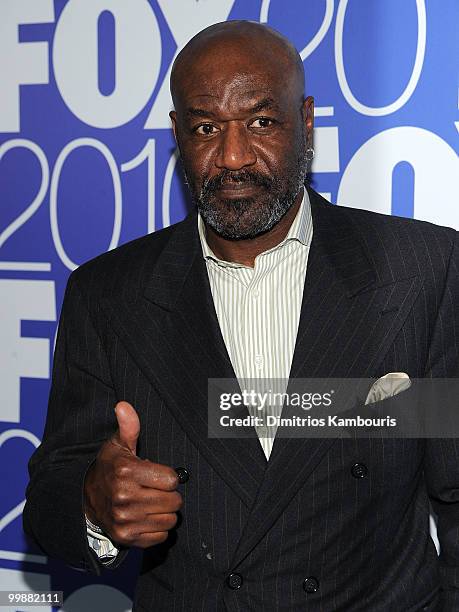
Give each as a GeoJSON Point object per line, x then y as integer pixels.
{"type": "Point", "coordinates": [242, 43]}
{"type": "Point", "coordinates": [242, 126]}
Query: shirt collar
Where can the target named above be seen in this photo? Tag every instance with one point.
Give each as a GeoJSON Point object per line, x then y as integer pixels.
{"type": "Point", "coordinates": [300, 230]}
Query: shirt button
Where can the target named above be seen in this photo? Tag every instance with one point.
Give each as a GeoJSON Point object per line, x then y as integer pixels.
{"type": "Point", "coordinates": [310, 584]}
{"type": "Point", "coordinates": [234, 581]}
{"type": "Point", "coordinates": [183, 475]}
{"type": "Point", "coordinates": [255, 293]}
{"type": "Point", "coordinates": [359, 470]}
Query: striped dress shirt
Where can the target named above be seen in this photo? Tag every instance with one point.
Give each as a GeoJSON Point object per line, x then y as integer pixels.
{"type": "Point", "coordinates": [258, 310]}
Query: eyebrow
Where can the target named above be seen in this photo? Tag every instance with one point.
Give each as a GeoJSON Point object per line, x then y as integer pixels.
{"type": "Point", "coordinates": [198, 112]}
{"type": "Point", "coordinates": [265, 104]}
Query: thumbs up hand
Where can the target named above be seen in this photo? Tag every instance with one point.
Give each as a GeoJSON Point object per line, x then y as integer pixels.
{"type": "Point", "coordinates": [133, 500]}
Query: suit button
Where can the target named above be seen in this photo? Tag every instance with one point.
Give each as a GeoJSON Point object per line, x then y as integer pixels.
{"type": "Point", "coordinates": [183, 475]}
{"type": "Point", "coordinates": [234, 581]}
{"type": "Point", "coordinates": [310, 584]}
{"type": "Point", "coordinates": [359, 470]}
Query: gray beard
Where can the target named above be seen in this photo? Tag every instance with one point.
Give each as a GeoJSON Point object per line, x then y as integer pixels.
{"type": "Point", "coordinates": [262, 220]}
{"type": "Point", "coordinates": [245, 218]}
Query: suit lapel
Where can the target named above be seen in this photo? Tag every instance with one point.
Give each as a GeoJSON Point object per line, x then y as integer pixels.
{"type": "Point", "coordinates": [348, 320]}
{"type": "Point", "coordinates": [172, 332]}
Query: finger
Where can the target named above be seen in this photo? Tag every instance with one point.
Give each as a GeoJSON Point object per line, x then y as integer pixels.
{"type": "Point", "coordinates": [129, 539]}
{"type": "Point", "coordinates": [148, 501]}
{"type": "Point", "coordinates": [132, 522]}
{"type": "Point", "coordinates": [127, 533]}
{"type": "Point", "coordinates": [155, 475]}
{"type": "Point", "coordinates": [150, 539]}
{"type": "Point", "coordinates": [157, 522]}
{"type": "Point", "coordinates": [128, 426]}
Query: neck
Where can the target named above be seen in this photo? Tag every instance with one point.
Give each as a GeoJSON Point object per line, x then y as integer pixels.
{"type": "Point", "coordinates": [245, 251]}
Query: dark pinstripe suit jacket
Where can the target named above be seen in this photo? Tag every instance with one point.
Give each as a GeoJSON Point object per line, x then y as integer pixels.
{"type": "Point", "coordinates": [138, 324]}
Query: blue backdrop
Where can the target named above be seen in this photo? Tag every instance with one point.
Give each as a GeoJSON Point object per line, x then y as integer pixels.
{"type": "Point", "coordinates": [87, 162]}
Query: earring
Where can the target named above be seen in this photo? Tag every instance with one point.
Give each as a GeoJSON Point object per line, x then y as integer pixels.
{"type": "Point", "coordinates": [309, 153]}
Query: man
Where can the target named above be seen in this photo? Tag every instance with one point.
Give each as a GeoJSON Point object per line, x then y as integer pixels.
{"type": "Point", "coordinates": [268, 280]}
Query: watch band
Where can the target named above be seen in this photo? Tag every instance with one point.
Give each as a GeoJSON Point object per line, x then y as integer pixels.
{"type": "Point", "coordinates": [93, 527]}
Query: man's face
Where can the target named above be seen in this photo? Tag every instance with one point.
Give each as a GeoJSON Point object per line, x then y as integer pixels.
{"type": "Point", "coordinates": [242, 132]}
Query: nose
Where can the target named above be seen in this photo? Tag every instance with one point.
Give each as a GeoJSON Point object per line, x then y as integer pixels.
{"type": "Point", "coordinates": [235, 150]}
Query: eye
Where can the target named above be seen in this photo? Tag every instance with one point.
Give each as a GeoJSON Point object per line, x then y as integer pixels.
{"type": "Point", "coordinates": [262, 122]}
{"type": "Point", "coordinates": [205, 129]}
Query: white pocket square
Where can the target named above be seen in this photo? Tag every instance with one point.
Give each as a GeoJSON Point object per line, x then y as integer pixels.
{"type": "Point", "coordinates": [387, 386]}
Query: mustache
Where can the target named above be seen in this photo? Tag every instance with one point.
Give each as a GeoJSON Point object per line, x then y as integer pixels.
{"type": "Point", "coordinates": [212, 184]}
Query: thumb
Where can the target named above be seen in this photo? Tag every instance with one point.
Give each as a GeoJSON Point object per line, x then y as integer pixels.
{"type": "Point", "coordinates": [128, 426]}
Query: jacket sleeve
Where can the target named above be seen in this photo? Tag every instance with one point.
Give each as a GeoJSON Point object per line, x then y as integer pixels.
{"type": "Point", "coordinates": [80, 418]}
{"type": "Point", "coordinates": [441, 466]}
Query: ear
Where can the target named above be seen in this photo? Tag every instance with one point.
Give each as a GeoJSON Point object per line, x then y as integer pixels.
{"type": "Point", "coordinates": [173, 116]}
{"type": "Point", "coordinates": [308, 117]}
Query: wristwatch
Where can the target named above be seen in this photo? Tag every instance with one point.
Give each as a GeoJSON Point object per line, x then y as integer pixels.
{"type": "Point", "coordinates": [93, 527]}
